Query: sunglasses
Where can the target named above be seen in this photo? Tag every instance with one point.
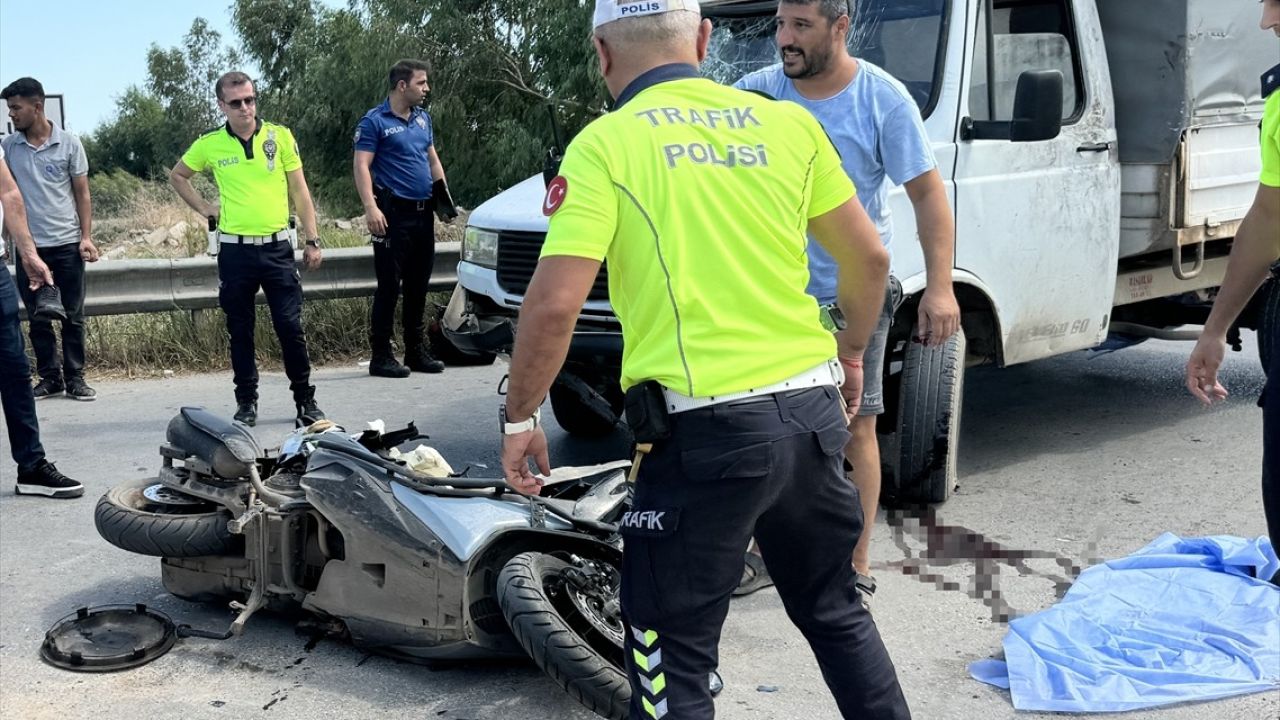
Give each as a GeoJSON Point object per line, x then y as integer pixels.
{"type": "Point", "coordinates": [241, 102]}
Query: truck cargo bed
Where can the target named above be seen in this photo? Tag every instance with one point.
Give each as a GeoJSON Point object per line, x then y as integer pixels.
{"type": "Point", "coordinates": [1188, 101]}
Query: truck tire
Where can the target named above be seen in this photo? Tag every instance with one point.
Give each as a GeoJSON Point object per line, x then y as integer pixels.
{"type": "Point", "coordinates": [929, 406]}
{"type": "Point", "coordinates": [126, 518]}
{"type": "Point", "coordinates": [525, 588]}
{"type": "Point", "coordinates": [577, 417]}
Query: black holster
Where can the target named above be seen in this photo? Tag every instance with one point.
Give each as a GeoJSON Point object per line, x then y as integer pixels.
{"type": "Point", "coordinates": [646, 410]}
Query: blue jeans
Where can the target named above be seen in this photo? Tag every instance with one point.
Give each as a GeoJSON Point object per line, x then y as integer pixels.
{"type": "Point", "coordinates": [15, 380]}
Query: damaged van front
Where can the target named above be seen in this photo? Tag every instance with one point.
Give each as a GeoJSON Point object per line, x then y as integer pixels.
{"type": "Point", "coordinates": [499, 254]}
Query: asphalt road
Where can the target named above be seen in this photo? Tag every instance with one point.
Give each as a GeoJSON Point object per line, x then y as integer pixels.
{"type": "Point", "coordinates": [1079, 456]}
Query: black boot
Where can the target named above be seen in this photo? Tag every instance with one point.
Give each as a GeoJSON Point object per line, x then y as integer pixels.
{"type": "Point", "coordinates": [384, 364]}
{"type": "Point", "coordinates": [308, 411]}
{"type": "Point", "coordinates": [420, 360]}
{"type": "Point", "coordinates": [246, 406]}
{"type": "Point", "coordinates": [246, 412]}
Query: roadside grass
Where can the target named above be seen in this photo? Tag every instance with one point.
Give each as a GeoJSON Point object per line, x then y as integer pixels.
{"type": "Point", "coordinates": [180, 342]}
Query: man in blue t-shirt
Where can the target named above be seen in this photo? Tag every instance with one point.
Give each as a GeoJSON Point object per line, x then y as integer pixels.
{"type": "Point", "coordinates": [401, 184]}
{"type": "Point", "coordinates": [881, 137]}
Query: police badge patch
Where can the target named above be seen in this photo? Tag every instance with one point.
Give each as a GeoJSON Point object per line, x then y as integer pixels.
{"type": "Point", "coordinates": [269, 148]}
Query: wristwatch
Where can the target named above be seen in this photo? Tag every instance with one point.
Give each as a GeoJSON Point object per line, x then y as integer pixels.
{"type": "Point", "coordinates": [313, 242]}
{"type": "Point", "coordinates": [510, 428]}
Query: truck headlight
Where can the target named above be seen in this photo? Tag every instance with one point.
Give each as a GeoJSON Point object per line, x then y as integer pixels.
{"type": "Point", "coordinates": [480, 247]}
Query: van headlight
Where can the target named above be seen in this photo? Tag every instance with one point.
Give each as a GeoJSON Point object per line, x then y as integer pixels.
{"type": "Point", "coordinates": [480, 247]}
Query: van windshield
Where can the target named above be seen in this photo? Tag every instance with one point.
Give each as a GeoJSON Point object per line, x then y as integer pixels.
{"type": "Point", "coordinates": [905, 37]}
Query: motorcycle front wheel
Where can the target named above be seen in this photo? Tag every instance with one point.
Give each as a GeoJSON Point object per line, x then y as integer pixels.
{"type": "Point", "coordinates": [570, 629]}
{"type": "Point", "coordinates": [148, 518]}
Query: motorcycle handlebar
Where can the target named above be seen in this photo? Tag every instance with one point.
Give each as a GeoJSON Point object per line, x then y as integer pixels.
{"type": "Point", "coordinates": [445, 485]}
{"type": "Point", "coordinates": [407, 473]}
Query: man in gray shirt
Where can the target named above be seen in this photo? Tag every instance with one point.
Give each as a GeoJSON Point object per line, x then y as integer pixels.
{"type": "Point", "coordinates": [51, 170]}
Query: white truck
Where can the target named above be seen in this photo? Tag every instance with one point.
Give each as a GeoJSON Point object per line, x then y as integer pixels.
{"type": "Point", "coordinates": [1099, 156]}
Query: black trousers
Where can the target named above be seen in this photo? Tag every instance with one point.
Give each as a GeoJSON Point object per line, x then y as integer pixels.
{"type": "Point", "coordinates": [67, 266]}
{"type": "Point", "coordinates": [242, 269]}
{"type": "Point", "coordinates": [769, 467]}
{"type": "Point", "coordinates": [1271, 422]}
{"type": "Point", "coordinates": [15, 381]}
{"type": "Point", "coordinates": [403, 261]}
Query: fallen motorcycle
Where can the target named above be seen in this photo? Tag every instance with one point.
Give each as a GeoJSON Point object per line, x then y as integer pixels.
{"type": "Point", "coordinates": [417, 567]}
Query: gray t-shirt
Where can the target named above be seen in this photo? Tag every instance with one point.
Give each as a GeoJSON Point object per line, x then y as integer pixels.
{"type": "Point", "coordinates": [881, 137]}
{"type": "Point", "coordinates": [44, 176]}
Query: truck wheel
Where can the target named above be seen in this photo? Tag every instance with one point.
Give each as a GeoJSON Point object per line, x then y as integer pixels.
{"type": "Point", "coordinates": [573, 637]}
{"type": "Point", "coordinates": [578, 416]}
{"type": "Point", "coordinates": [147, 518]}
{"type": "Point", "coordinates": [929, 405]}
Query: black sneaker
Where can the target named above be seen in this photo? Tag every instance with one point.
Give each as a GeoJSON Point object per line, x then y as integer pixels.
{"type": "Point", "coordinates": [422, 361]}
{"type": "Point", "coordinates": [309, 413]}
{"type": "Point", "coordinates": [78, 390]}
{"type": "Point", "coordinates": [47, 389]}
{"type": "Point", "coordinates": [387, 367]}
{"type": "Point", "coordinates": [247, 413]}
{"type": "Point", "coordinates": [49, 303]}
{"type": "Point", "coordinates": [46, 480]}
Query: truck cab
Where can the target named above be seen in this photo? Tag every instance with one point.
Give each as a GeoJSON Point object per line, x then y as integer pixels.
{"type": "Point", "coordinates": [1098, 158]}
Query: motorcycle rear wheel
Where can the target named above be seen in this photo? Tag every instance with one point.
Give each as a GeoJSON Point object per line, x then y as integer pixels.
{"type": "Point", "coordinates": [167, 524]}
{"type": "Point", "coordinates": [547, 625]}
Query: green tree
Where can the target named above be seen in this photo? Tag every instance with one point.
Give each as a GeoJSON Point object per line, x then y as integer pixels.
{"type": "Point", "coordinates": [154, 124]}
{"type": "Point", "coordinates": [497, 64]}
{"type": "Point", "coordinates": [497, 67]}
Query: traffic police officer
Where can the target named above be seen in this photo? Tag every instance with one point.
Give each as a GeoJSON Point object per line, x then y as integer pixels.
{"type": "Point", "coordinates": [401, 180]}
{"type": "Point", "coordinates": [1255, 249]}
{"type": "Point", "coordinates": [257, 168]}
{"type": "Point", "coordinates": [700, 197]}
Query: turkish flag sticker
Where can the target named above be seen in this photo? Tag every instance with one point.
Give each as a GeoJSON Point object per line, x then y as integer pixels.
{"type": "Point", "coordinates": [556, 193]}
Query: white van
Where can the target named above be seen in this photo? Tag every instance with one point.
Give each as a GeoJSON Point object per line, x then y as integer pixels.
{"type": "Point", "coordinates": [1106, 218]}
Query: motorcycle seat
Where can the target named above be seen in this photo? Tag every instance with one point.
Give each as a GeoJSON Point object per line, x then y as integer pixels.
{"type": "Point", "coordinates": [228, 447]}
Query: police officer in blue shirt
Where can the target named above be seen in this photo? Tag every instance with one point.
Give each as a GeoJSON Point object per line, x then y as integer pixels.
{"type": "Point", "coordinates": [401, 183]}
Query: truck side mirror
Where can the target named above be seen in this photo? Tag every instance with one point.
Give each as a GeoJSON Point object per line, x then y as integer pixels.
{"type": "Point", "coordinates": [555, 156]}
{"type": "Point", "coordinates": [551, 166]}
{"type": "Point", "coordinates": [1037, 106]}
{"type": "Point", "coordinates": [1037, 112]}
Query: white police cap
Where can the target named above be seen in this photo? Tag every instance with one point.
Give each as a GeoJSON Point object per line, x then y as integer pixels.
{"type": "Point", "coordinates": [609, 10]}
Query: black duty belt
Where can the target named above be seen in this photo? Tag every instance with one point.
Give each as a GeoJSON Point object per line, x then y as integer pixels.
{"type": "Point", "coordinates": [389, 201]}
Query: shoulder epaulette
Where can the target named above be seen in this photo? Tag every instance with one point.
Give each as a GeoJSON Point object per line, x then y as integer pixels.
{"type": "Point", "coordinates": [1270, 81]}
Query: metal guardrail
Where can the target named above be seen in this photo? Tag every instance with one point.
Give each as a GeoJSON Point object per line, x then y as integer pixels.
{"type": "Point", "coordinates": [127, 287]}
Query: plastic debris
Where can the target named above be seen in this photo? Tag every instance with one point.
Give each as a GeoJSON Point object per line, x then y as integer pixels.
{"type": "Point", "coordinates": [425, 460]}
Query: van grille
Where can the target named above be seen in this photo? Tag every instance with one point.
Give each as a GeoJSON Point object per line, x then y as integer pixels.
{"type": "Point", "coordinates": [518, 256]}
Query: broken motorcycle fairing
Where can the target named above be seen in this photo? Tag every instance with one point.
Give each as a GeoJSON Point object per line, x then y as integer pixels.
{"type": "Point", "coordinates": [406, 565]}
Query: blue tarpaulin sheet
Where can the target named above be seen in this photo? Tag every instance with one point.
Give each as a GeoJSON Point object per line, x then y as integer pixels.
{"type": "Point", "coordinates": [1180, 620]}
